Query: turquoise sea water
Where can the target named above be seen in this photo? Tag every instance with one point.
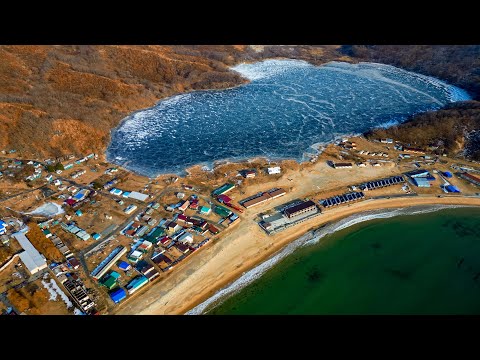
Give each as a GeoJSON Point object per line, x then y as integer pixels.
{"type": "Point", "coordinates": [421, 264]}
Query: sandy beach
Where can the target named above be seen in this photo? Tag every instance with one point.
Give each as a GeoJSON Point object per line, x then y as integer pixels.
{"type": "Point", "coordinates": [242, 249]}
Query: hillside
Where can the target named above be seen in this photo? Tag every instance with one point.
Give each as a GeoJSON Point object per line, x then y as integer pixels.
{"type": "Point", "coordinates": [65, 99]}
{"type": "Point", "coordinates": [452, 129]}
{"type": "Point", "coordinates": [456, 64]}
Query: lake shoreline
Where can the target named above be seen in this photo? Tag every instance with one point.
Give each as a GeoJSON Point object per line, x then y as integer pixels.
{"type": "Point", "coordinates": [266, 69]}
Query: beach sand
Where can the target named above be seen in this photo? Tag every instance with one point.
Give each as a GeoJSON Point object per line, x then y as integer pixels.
{"type": "Point", "coordinates": [241, 249]}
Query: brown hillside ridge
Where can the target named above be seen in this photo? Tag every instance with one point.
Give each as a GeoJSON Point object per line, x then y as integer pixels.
{"type": "Point", "coordinates": [57, 100]}
{"type": "Point", "coordinates": [449, 130]}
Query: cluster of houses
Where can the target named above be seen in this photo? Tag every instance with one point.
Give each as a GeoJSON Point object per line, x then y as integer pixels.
{"type": "Point", "coordinates": [342, 199]}
{"type": "Point", "coordinates": [89, 156]}
{"type": "Point", "coordinates": [348, 145]}
{"type": "Point", "coordinates": [58, 243]}
{"type": "Point", "coordinates": [262, 197]}
{"type": "Point", "coordinates": [134, 229]}
{"type": "Point", "coordinates": [37, 174]}
{"type": "Point", "coordinates": [138, 251]}
{"type": "Point", "coordinates": [78, 173]}
{"type": "Point", "coordinates": [79, 198]}
{"type": "Point", "coordinates": [377, 184]}
{"type": "Point", "coordinates": [380, 153]}
{"type": "Point", "coordinates": [75, 230]}
{"type": "Point", "coordinates": [109, 184]}
{"type": "Point", "coordinates": [173, 240]}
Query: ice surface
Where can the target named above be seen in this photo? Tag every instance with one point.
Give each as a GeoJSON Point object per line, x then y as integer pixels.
{"type": "Point", "coordinates": [288, 106]}
{"type": "Point", "coordinates": [48, 209]}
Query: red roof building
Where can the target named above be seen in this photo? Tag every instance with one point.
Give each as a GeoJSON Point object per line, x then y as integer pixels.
{"type": "Point", "coordinates": [224, 199]}
{"type": "Point", "coordinates": [70, 202]}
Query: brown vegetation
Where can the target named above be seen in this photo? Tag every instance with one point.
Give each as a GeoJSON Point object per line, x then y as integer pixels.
{"type": "Point", "coordinates": [42, 244]}
{"type": "Point", "coordinates": [18, 300]}
{"type": "Point", "coordinates": [457, 64]}
{"type": "Point", "coordinates": [447, 129]}
{"type": "Point", "coordinates": [65, 99]}
{"type": "Point", "coordinates": [5, 254]}
{"type": "Point", "coordinates": [31, 299]}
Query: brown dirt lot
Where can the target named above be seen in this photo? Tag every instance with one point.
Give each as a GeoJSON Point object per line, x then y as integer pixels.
{"type": "Point", "coordinates": [34, 299]}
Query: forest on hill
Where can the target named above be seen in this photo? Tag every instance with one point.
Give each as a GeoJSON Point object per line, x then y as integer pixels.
{"type": "Point", "coordinates": [57, 100]}
{"type": "Point", "coordinates": [453, 129]}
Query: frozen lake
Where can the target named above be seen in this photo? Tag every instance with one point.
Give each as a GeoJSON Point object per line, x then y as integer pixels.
{"type": "Point", "coordinates": [287, 109]}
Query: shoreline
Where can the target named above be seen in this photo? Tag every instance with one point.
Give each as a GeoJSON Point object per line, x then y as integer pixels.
{"type": "Point", "coordinates": [211, 165]}
{"type": "Point", "coordinates": [311, 237]}
{"type": "Point", "coordinates": [207, 279]}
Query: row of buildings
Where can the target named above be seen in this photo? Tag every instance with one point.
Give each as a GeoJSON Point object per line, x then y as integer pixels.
{"type": "Point", "coordinates": [262, 197]}
{"type": "Point", "coordinates": [291, 214]}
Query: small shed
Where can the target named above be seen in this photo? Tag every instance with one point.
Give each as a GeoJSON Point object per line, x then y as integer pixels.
{"type": "Point", "coordinates": [115, 275]}
{"type": "Point", "coordinates": [447, 174]}
{"type": "Point", "coordinates": [180, 195]}
{"type": "Point", "coordinates": [96, 236]}
{"type": "Point", "coordinates": [78, 213]}
{"type": "Point", "coordinates": [205, 210]}
{"type": "Point", "coordinates": [122, 265]}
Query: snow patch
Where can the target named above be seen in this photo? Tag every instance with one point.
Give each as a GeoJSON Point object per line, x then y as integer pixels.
{"type": "Point", "coordinates": [54, 291]}
{"type": "Point", "coordinates": [48, 209]}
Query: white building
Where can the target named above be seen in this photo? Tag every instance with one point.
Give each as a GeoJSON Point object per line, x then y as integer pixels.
{"type": "Point", "coordinates": [273, 170]}
{"type": "Point", "coordinates": [187, 237]}
{"type": "Point", "coordinates": [33, 260]}
{"type": "Point", "coordinates": [130, 209]}
{"type": "Point", "coordinates": [138, 196]}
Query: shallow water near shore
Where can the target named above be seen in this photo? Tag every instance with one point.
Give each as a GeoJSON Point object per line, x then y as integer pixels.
{"type": "Point", "coordinates": [287, 108]}
{"type": "Point", "coordinates": [422, 264]}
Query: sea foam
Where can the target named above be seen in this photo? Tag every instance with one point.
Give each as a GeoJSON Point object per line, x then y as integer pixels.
{"type": "Point", "coordinates": [310, 238]}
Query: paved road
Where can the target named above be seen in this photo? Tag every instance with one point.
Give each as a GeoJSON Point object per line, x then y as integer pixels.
{"type": "Point", "coordinates": [22, 193]}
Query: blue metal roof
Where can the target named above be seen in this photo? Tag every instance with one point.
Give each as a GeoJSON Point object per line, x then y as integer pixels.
{"type": "Point", "coordinates": [123, 265]}
{"type": "Point", "coordinates": [118, 295]}
{"type": "Point", "coordinates": [452, 188]}
{"type": "Point", "coordinates": [447, 174]}
{"type": "Point", "coordinates": [421, 182]}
